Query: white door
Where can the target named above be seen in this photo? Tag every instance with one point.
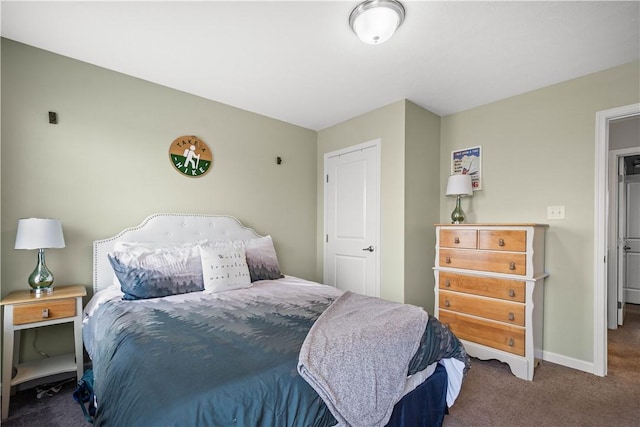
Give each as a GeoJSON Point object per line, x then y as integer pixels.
{"type": "Point", "coordinates": [631, 240]}
{"type": "Point", "coordinates": [352, 217]}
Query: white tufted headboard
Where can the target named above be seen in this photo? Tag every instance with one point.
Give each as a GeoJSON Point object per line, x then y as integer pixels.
{"type": "Point", "coordinates": [167, 228]}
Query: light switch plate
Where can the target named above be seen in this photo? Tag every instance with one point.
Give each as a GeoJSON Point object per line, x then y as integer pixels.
{"type": "Point", "coordinates": [555, 212]}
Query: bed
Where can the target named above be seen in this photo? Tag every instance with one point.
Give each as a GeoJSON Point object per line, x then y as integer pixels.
{"type": "Point", "coordinates": [193, 324]}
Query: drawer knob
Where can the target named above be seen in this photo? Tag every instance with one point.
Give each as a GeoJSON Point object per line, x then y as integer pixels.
{"type": "Point", "coordinates": [500, 242]}
{"type": "Point", "coordinates": [447, 260]}
{"type": "Point", "coordinates": [447, 283]}
{"type": "Point", "coordinates": [512, 293]}
{"type": "Point", "coordinates": [511, 342]}
{"type": "Point", "coordinates": [447, 303]}
{"type": "Point", "coordinates": [512, 317]}
{"type": "Point", "coordinates": [456, 240]}
{"type": "Point", "coordinates": [45, 313]}
{"type": "Point", "coordinates": [512, 266]}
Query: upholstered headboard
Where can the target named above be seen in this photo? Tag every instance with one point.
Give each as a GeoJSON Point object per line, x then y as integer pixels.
{"type": "Point", "coordinates": [167, 228]}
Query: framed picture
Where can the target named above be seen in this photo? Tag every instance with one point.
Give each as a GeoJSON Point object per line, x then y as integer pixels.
{"type": "Point", "coordinates": [468, 161]}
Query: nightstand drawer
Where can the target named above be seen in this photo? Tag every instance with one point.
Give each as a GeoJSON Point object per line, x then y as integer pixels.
{"type": "Point", "coordinates": [494, 287]}
{"type": "Point", "coordinates": [497, 262]}
{"type": "Point", "coordinates": [486, 332]}
{"type": "Point", "coordinates": [503, 240]}
{"type": "Point", "coordinates": [45, 310]}
{"type": "Point", "coordinates": [489, 308]}
{"type": "Point", "coordinates": [466, 239]}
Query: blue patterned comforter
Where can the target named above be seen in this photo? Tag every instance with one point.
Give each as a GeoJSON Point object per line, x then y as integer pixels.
{"type": "Point", "coordinates": [217, 359]}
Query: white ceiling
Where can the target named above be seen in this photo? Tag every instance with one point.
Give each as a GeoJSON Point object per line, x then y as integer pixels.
{"type": "Point", "coordinates": [299, 62]}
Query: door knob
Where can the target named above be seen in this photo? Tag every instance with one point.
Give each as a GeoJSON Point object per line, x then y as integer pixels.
{"type": "Point", "coordinates": [370, 249]}
{"type": "Point", "coordinates": [626, 248]}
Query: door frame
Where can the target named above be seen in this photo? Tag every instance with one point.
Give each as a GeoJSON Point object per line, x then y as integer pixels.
{"type": "Point", "coordinates": [601, 234]}
{"type": "Point", "coordinates": [373, 143]}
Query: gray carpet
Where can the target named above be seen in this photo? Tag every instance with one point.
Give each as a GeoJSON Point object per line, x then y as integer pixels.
{"type": "Point", "coordinates": [557, 396]}
{"type": "Point", "coordinates": [490, 396]}
{"type": "Point", "coordinates": [57, 410]}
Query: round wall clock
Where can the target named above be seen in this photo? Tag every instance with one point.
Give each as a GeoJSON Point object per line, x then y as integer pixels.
{"type": "Point", "coordinates": [190, 156]}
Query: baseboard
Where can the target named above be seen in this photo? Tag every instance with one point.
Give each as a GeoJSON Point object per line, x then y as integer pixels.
{"type": "Point", "coordinates": [569, 362]}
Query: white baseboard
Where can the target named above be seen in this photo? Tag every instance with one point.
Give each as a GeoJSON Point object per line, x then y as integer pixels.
{"type": "Point", "coordinates": [569, 362]}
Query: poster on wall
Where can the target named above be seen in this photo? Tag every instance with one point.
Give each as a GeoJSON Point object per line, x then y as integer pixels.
{"type": "Point", "coordinates": [468, 161]}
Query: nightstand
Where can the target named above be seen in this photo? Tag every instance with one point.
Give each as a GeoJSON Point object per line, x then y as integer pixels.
{"type": "Point", "coordinates": [23, 310]}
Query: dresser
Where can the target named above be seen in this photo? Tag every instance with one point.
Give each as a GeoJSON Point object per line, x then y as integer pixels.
{"type": "Point", "coordinates": [489, 290]}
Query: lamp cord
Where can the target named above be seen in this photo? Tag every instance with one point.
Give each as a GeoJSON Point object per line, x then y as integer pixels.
{"type": "Point", "coordinates": [35, 347]}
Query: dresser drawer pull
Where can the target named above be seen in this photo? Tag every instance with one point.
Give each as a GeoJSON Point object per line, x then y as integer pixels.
{"type": "Point", "coordinates": [45, 313]}
{"type": "Point", "coordinates": [447, 303]}
{"type": "Point", "coordinates": [512, 293]}
{"type": "Point", "coordinates": [512, 317]}
{"type": "Point", "coordinates": [456, 240]}
{"type": "Point", "coordinates": [511, 342]}
{"type": "Point", "coordinates": [500, 242]}
{"type": "Point", "coordinates": [447, 283]}
{"type": "Point", "coordinates": [447, 260]}
{"type": "Point", "coordinates": [512, 265]}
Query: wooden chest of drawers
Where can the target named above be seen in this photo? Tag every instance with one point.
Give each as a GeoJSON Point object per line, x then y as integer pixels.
{"type": "Point", "coordinates": [489, 290]}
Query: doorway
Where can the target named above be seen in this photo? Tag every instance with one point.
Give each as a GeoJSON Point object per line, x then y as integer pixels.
{"type": "Point", "coordinates": [623, 283]}
{"type": "Point", "coordinates": [602, 227]}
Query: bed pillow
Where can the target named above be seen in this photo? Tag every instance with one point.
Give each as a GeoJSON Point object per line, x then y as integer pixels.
{"type": "Point", "coordinates": [262, 259]}
{"type": "Point", "coordinates": [152, 273]}
{"type": "Point", "coordinates": [132, 250]}
{"type": "Point", "coordinates": [224, 266]}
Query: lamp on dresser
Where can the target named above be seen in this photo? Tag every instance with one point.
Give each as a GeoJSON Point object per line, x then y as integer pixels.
{"type": "Point", "coordinates": [40, 234]}
{"type": "Point", "coordinates": [459, 186]}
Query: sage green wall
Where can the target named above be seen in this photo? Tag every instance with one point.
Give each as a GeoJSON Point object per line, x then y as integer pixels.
{"type": "Point", "coordinates": [410, 138]}
{"type": "Point", "coordinates": [422, 207]}
{"type": "Point", "coordinates": [538, 150]}
{"type": "Point", "coordinates": [386, 123]}
{"type": "Point", "coordinates": [105, 166]}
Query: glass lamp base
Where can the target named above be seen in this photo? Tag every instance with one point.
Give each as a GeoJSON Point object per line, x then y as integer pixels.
{"type": "Point", "coordinates": [41, 280]}
{"type": "Point", "coordinates": [38, 292]}
{"type": "Point", "coordinates": [457, 216]}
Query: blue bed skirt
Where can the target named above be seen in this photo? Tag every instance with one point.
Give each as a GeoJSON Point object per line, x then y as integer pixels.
{"type": "Point", "coordinates": [425, 406]}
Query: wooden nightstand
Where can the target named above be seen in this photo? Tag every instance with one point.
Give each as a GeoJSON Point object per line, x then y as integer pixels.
{"type": "Point", "coordinates": [23, 310]}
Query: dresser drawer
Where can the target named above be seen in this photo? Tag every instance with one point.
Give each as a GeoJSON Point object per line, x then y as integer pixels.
{"type": "Point", "coordinates": [497, 262]}
{"type": "Point", "coordinates": [467, 239]}
{"type": "Point", "coordinates": [45, 310]}
{"type": "Point", "coordinates": [494, 287]}
{"type": "Point", "coordinates": [494, 309]}
{"type": "Point", "coordinates": [486, 332]}
{"type": "Point", "coordinates": [503, 240]}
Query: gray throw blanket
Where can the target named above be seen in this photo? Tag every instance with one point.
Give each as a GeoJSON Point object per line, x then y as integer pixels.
{"type": "Point", "coordinates": [356, 356]}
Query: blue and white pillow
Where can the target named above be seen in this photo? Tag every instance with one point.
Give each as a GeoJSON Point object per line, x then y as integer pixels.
{"type": "Point", "coordinates": [262, 259]}
{"type": "Point", "coordinates": [147, 272]}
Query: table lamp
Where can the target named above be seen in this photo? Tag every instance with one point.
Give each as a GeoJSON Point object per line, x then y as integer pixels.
{"type": "Point", "coordinates": [459, 186]}
{"type": "Point", "coordinates": [40, 234]}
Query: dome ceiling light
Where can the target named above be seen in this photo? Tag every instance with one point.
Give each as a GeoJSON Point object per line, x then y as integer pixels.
{"type": "Point", "coordinates": [375, 21]}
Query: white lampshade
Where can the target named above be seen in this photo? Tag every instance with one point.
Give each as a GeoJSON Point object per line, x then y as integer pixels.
{"type": "Point", "coordinates": [375, 21]}
{"type": "Point", "coordinates": [459, 185]}
{"type": "Point", "coordinates": [39, 233]}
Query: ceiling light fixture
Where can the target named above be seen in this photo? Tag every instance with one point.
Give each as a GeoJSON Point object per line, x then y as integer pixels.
{"type": "Point", "coordinates": [375, 21]}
